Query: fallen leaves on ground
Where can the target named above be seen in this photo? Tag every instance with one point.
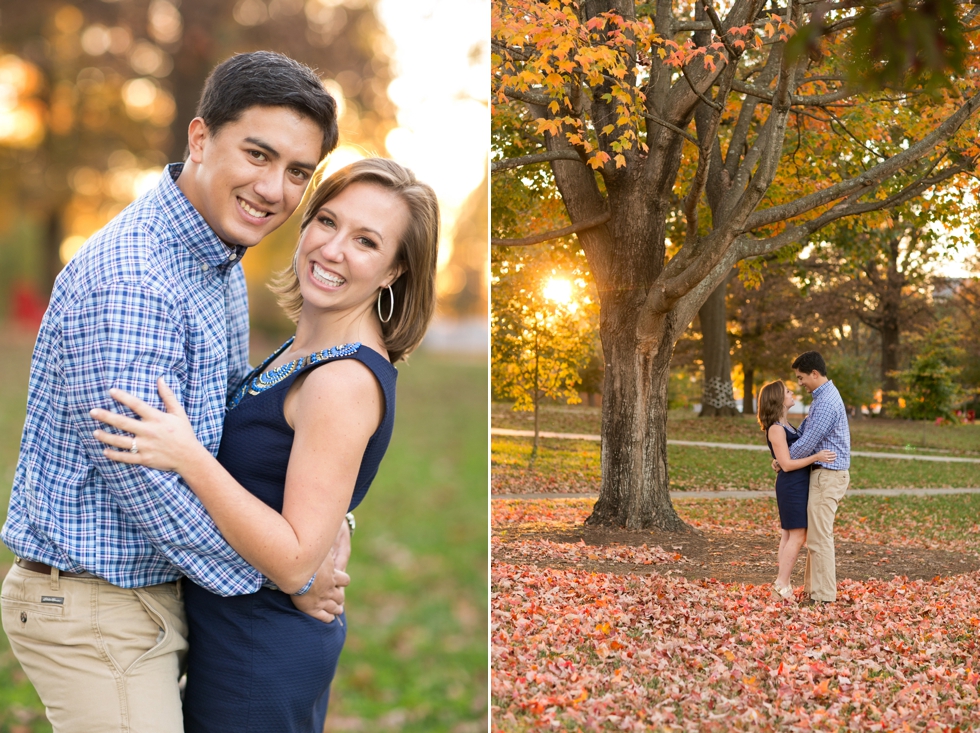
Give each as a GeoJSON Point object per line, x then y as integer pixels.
{"type": "Point", "coordinates": [580, 650]}
{"type": "Point", "coordinates": [595, 651]}
{"type": "Point", "coordinates": [581, 552]}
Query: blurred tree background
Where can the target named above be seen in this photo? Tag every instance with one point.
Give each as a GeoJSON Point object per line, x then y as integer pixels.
{"type": "Point", "coordinates": [96, 96]}
{"type": "Point", "coordinates": [95, 99]}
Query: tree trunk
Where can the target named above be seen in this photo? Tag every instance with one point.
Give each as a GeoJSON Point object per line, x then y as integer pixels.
{"type": "Point", "coordinates": [53, 235]}
{"type": "Point", "coordinates": [889, 361]}
{"type": "Point", "coordinates": [635, 488]}
{"type": "Point", "coordinates": [192, 64]}
{"type": "Point", "coordinates": [748, 390]}
{"type": "Point", "coordinates": [716, 397]}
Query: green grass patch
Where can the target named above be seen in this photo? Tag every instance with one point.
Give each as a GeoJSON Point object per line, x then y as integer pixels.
{"type": "Point", "coordinates": [20, 707]}
{"type": "Point", "coordinates": [868, 434]}
{"type": "Point", "coordinates": [416, 652]}
{"type": "Point", "coordinates": [573, 466]}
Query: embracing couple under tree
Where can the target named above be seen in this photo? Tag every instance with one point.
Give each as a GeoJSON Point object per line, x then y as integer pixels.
{"type": "Point", "coordinates": [812, 463]}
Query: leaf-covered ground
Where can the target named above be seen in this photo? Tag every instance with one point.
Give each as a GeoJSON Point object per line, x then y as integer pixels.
{"type": "Point", "coordinates": [638, 646]}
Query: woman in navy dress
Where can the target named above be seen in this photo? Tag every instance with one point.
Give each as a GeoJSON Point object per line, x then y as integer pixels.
{"type": "Point", "coordinates": [302, 440]}
{"type": "Point", "coordinates": [792, 481]}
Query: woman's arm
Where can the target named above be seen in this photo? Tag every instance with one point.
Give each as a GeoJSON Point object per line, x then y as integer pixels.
{"type": "Point", "coordinates": [333, 415]}
{"type": "Point", "coordinates": [777, 436]}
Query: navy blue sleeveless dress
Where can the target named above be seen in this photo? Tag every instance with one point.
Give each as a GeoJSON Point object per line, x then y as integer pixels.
{"type": "Point", "coordinates": [256, 664]}
{"type": "Point", "coordinates": [792, 489]}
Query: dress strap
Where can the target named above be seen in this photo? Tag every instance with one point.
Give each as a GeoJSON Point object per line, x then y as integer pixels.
{"type": "Point", "coordinates": [261, 380]}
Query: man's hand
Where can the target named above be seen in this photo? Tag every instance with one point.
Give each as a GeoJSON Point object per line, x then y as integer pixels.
{"type": "Point", "coordinates": [325, 598]}
{"type": "Point", "coordinates": [775, 466]}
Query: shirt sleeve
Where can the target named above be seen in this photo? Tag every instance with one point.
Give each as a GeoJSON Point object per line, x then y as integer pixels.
{"type": "Point", "coordinates": [126, 336]}
{"type": "Point", "coordinates": [815, 431]}
{"type": "Point", "coordinates": [236, 308]}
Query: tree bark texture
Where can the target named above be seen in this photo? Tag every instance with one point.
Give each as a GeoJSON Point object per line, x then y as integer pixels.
{"type": "Point", "coordinates": [635, 487]}
{"type": "Point", "coordinates": [716, 392]}
{"type": "Point", "coordinates": [748, 390]}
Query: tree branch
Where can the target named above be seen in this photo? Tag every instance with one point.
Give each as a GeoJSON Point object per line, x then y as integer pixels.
{"type": "Point", "coordinates": [848, 207]}
{"type": "Point", "coordinates": [686, 135]}
{"type": "Point", "coordinates": [871, 177]}
{"type": "Point", "coordinates": [529, 97]}
{"type": "Point", "coordinates": [508, 163]}
{"type": "Point", "coordinates": [814, 100]}
{"type": "Point", "coordinates": [557, 233]}
{"type": "Point", "coordinates": [690, 82]}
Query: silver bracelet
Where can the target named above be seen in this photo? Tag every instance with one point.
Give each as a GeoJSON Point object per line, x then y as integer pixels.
{"type": "Point", "coordinates": [350, 522]}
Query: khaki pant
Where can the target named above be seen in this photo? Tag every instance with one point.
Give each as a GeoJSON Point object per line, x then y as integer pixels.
{"type": "Point", "coordinates": [827, 488]}
{"type": "Point", "coordinates": [103, 659]}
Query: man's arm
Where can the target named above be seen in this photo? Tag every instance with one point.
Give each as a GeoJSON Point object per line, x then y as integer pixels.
{"type": "Point", "coordinates": [126, 336]}
{"type": "Point", "coordinates": [818, 427]}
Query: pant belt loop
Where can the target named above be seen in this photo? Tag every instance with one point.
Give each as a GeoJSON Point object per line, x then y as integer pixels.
{"type": "Point", "coordinates": [55, 575]}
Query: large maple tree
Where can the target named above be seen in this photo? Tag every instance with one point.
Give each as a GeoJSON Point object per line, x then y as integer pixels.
{"type": "Point", "coordinates": [685, 138]}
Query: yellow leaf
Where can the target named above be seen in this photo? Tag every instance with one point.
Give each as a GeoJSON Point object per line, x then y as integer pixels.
{"type": "Point", "coordinates": [769, 30]}
{"type": "Point", "coordinates": [553, 107]}
{"type": "Point", "coordinates": [607, 129]}
{"type": "Point", "coordinates": [620, 161]}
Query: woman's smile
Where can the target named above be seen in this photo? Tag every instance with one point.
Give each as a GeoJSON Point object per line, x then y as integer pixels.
{"type": "Point", "coordinates": [325, 277]}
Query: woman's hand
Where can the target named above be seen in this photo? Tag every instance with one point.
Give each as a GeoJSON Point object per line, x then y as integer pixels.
{"type": "Point", "coordinates": [163, 440]}
{"type": "Point", "coordinates": [826, 456]}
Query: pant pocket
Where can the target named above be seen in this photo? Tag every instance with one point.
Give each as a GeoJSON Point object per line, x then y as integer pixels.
{"type": "Point", "coordinates": [25, 593]}
{"type": "Point", "coordinates": [126, 628]}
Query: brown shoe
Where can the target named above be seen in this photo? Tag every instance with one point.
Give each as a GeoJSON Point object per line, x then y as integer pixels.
{"type": "Point", "coordinates": [814, 602]}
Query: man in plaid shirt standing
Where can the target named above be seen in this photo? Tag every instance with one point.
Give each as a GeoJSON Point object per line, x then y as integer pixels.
{"type": "Point", "coordinates": [92, 606]}
{"type": "Point", "coordinates": [825, 427]}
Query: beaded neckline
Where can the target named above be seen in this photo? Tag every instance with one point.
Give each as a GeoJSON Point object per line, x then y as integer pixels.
{"type": "Point", "coordinates": [260, 379]}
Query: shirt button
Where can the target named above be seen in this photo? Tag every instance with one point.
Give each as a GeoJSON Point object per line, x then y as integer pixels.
{"type": "Point", "coordinates": [232, 256]}
{"type": "Point", "coordinates": [205, 268]}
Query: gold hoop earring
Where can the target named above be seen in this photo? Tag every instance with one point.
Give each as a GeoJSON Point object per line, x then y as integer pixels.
{"type": "Point", "coordinates": [391, 310]}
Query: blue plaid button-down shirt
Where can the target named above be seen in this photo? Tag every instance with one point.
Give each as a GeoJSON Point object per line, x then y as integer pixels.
{"type": "Point", "coordinates": [155, 293]}
{"type": "Point", "coordinates": [825, 428]}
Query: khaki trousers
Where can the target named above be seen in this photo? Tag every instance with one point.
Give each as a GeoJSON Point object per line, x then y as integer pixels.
{"type": "Point", "coordinates": [103, 659]}
{"type": "Point", "coordinates": [827, 488]}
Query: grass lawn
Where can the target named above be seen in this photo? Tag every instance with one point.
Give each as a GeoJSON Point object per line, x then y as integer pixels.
{"type": "Point", "coordinates": [866, 434]}
{"type": "Point", "coordinates": [416, 652]}
{"type": "Point", "coordinates": [572, 466]}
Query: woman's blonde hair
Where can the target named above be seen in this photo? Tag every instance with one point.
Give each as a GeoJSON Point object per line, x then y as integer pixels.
{"type": "Point", "coordinates": [415, 289]}
{"type": "Point", "coordinates": [771, 398]}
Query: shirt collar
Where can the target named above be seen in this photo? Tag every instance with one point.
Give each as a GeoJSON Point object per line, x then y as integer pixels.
{"type": "Point", "coordinates": [822, 387]}
{"type": "Point", "coordinates": [191, 228]}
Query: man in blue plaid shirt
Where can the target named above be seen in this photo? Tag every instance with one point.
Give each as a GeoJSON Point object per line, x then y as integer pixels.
{"type": "Point", "coordinates": [825, 428]}
{"type": "Point", "coordinates": [92, 607]}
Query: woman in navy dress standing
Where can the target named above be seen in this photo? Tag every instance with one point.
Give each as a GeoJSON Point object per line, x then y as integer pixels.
{"type": "Point", "coordinates": [792, 481]}
{"type": "Point", "coordinates": [302, 441]}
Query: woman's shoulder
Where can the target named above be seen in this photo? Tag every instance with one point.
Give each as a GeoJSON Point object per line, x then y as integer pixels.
{"type": "Point", "coordinates": [776, 431]}
{"type": "Point", "coordinates": [341, 377]}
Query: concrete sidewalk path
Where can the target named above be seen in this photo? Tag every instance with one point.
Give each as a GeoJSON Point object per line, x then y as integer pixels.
{"type": "Point", "coordinates": [675, 495]}
{"type": "Point", "coordinates": [730, 446]}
